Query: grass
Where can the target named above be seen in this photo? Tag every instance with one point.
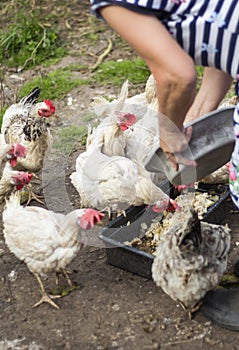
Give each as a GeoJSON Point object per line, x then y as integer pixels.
{"type": "Point", "coordinates": [2, 111]}
{"type": "Point", "coordinates": [54, 85]}
{"type": "Point", "coordinates": [27, 41]}
{"type": "Point", "coordinates": [68, 137]}
{"type": "Point", "coordinates": [115, 73]}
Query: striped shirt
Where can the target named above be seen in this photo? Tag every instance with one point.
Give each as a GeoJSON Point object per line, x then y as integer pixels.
{"type": "Point", "coordinates": [208, 30]}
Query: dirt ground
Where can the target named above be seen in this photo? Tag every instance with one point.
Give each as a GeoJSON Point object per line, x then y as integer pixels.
{"type": "Point", "coordinates": [110, 308]}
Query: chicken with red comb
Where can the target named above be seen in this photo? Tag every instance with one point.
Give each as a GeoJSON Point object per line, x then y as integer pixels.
{"type": "Point", "coordinates": [110, 134]}
{"type": "Point", "coordinates": [10, 153]}
{"type": "Point", "coordinates": [46, 241]}
{"type": "Point", "coordinates": [115, 183]}
{"type": "Point", "coordinates": [27, 123]}
{"type": "Point", "coordinates": [21, 179]}
{"type": "Point", "coordinates": [12, 180]}
{"type": "Point", "coordinates": [46, 109]}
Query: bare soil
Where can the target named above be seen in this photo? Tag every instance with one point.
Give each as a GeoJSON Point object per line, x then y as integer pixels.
{"type": "Point", "coordinates": [110, 308]}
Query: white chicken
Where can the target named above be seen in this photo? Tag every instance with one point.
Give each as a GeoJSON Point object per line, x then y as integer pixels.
{"type": "Point", "coordinates": [26, 123]}
{"type": "Point", "coordinates": [46, 241]}
{"type": "Point", "coordinates": [136, 142]}
{"type": "Point", "coordinates": [136, 104]}
{"type": "Point", "coordinates": [144, 136]}
{"type": "Point", "coordinates": [114, 183]}
{"type": "Point", "coordinates": [111, 133]}
{"type": "Point", "coordinates": [191, 258]}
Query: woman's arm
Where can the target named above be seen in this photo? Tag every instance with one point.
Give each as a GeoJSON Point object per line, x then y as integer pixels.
{"type": "Point", "coordinates": [214, 87]}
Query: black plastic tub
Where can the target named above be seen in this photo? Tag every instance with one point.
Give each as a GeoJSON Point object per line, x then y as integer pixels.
{"type": "Point", "coordinates": [127, 228]}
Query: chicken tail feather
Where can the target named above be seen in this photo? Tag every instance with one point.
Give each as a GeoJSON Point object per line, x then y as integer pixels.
{"type": "Point", "coordinates": [32, 97]}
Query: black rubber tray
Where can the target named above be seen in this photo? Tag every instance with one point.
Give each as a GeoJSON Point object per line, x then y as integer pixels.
{"type": "Point", "coordinates": [127, 228]}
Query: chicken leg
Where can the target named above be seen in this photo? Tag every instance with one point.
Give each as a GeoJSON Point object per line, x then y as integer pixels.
{"type": "Point", "coordinates": [33, 196]}
{"type": "Point", "coordinates": [28, 195]}
{"type": "Point", "coordinates": [45, 297]}
{"type": "Point", "coordinates": [65, 274]}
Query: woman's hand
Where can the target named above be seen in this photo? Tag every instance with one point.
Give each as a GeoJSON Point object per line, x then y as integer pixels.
{"type": "Point", "coordinates": [173, 142]}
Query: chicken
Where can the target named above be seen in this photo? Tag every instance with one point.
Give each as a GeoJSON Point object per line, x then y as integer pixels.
{"type": "Point", "coordinates": [136, 104]}
{"type": "Point", "coordinates": [24, 109]}
{"type": "Point", "coordinates": [10, 154]}
{"type": "Point", "coordinates": [111, 130]}
{"type": "Point", "coordinates": [191, 258]}
{"type": "Point", "coordinates": [26, 123]}
{"type": "Point", "coordinates": [9, 178]}
{"type": "Point", "coordinates": [111, 133]}
{"type": "Point", "coordinates": [46, 241]}
{"type": "Point", "coordinates": [145, 135]}
{"type": "Point", "coordinates": [143, 138]}
{"type": "Point", "coordinates": [12, 179]}
{"type": "Point", "coordinates": [114, 183]}
{"type": "Point", "coordinates": [136, 142]}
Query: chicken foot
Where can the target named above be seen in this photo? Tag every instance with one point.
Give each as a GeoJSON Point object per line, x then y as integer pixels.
{"type": "Point", "coordinates": [110, 214]}
{"type": "Point", "coordinates": [192, 310]}
{"type": "Point", "coordinates": [46, 298]}
{"type": "Point", "coordinates": [33, 196]}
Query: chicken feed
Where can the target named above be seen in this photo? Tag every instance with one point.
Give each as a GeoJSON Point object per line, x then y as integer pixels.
{"type": "Point", "coordinates": [150, 237]}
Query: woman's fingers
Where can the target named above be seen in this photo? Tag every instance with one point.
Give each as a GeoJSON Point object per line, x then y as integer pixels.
{"type": "Point", "coordinates": [176, 159]}
{"type": "Point", "coordinates": [188, 133]}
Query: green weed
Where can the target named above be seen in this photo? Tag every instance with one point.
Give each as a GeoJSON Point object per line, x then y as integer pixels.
{"type": "Point", "coordinates": [116, 73]}
{"type": "Point", "coordinates": [27, 41]}
{"type": "Point", "coordinates": [2, 111]}
{"type": "Point", "coordinates": [54, 85]}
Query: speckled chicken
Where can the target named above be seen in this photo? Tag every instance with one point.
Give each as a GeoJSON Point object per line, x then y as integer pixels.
{"type": "Point", "coordinates": [46, 241]}
{"type": "Point", "coordinates": [191, 258]}
{"type": "Point", "coordinates": [26, 123]}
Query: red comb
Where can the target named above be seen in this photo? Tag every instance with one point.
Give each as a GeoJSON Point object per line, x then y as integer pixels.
{"type": "Point", "coordinates": [50, 105]}
{"type": "Point", "coordinates": [89, 218]}
{"type": "Point", "coordinates": [125, 119]}
{"type": "Point", "coordinates": [19, 150]}
{"type": "Point", "coordinates": [22, 179]}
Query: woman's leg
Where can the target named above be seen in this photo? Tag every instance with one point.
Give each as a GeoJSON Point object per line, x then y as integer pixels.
{"type": "Point", "coordinates": [172, 68]}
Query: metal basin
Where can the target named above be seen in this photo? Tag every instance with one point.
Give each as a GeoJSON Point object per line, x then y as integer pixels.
{"type": "Point", "coordinates": [211, 147]}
